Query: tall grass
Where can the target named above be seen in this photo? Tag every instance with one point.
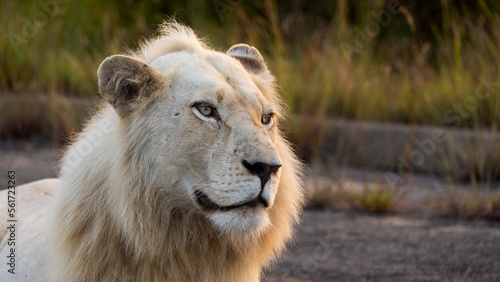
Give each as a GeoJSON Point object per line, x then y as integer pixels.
{"type": "Point", "coordinates": [428, 59]}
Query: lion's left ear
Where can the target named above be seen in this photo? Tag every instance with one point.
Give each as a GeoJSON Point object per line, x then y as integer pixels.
{"type": "Point", "coordinates": [249, 57]}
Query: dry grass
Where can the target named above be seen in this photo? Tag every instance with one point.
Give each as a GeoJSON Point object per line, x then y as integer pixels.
{"type": "Point", "coordinates": [379, 199]}
{"type": "Point", "coordinates": [42, 118]}
{"type": "Point", "coordinates": [372, 198]}
{"type": "Point", "coordinates": [468, 205]}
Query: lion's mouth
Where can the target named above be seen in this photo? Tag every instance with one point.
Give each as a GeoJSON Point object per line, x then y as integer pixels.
{"type": "Point", "coordinates": [207, 204]}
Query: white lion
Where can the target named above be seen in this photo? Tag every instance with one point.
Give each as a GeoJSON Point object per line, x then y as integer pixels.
{"type": "Point", "coordinates": [183, 176]}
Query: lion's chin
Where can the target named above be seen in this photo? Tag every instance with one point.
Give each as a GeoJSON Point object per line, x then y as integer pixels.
{"type": "Point", "coordinates": [250, 221]}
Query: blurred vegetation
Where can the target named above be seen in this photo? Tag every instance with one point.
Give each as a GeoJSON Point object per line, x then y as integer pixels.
{"type": "Point", "coordinates": [467, 204]}
{"type": "Point", "coordinates": [419, 62]}
{"type": "Point", "coordinates": [403, 61]}
{"type": "Point", "coordinates": [378, 198]}
{"type": "Point", "coordinates": [339, 195]}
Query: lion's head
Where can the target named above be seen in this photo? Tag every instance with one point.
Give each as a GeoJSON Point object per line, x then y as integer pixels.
{"type": "Point", "coordinates": [210, 121]}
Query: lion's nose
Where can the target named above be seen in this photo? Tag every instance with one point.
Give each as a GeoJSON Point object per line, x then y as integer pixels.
{"type": "Point", "coordinates": [262, 170]}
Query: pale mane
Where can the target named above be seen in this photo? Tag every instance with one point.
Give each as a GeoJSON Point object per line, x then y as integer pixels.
{"type": "Point", "coordinates": [172, 37]}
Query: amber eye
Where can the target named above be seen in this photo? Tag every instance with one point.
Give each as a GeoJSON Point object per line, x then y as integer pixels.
{"type": "Point", "coordinates": [205, 110]}
{"type": "Point", "coordinates": [266, 119]}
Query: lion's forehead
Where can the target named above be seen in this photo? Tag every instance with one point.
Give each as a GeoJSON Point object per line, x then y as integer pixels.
{"type": "Point", "coordinates": [202, 66]}
{"type": "Point", "coordinates": [215, 77]}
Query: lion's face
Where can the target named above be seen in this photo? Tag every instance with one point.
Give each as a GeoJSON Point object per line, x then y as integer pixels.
{"type": "Point", "coordinates": [210, 129]}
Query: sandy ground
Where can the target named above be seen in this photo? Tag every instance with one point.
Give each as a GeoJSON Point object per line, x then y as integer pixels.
{"type": "Point", "coordinates": [339, 246]}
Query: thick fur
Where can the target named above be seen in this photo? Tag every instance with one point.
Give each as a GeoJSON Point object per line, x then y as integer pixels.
{"type": "Point", "coordinates": [125, 209]}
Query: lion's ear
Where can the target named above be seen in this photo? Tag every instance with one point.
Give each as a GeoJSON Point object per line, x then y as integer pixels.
{"type": "Point", "coordinates": [249, 57]}
{"type": "Point", "coordinates": [124, 80]}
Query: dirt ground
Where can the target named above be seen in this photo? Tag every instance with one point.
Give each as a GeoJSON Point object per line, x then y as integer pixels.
{"type": "Point", "coordinates": [339, 246]}
{"type": "Point", "coordinates": [29, 161]}
{"type": "Point", "coordinates": [334, 246]}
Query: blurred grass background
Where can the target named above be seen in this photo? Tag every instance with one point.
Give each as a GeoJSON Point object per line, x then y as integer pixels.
{"type": "Point", "coordinates": [416, 62]}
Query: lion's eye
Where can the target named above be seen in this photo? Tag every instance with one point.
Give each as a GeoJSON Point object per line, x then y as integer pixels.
{"type": "Point", "coordinates": [206, 110]}
{"type": "Point", "coordinates": [266, 119]}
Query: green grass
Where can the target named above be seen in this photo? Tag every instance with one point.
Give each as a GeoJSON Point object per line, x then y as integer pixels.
{"type": "Point", "coordinates": [408, 72]}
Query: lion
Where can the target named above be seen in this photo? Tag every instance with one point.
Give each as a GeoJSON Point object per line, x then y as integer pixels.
{"type": "Point", "coordinates": [182, 175]}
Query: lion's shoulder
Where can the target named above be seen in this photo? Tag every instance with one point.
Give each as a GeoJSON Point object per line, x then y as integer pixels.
{"type": "Point", "coordinates": [29, 198]}
{"type": "Point", "coordinates": [24, 234]}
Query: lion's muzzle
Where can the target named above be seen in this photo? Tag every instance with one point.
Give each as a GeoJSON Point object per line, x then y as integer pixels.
{"type": "Point", "coordinates": [260, 169]}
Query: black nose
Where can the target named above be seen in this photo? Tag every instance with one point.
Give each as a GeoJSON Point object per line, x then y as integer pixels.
{"type": "Point", "coordinates": [262, 170]}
